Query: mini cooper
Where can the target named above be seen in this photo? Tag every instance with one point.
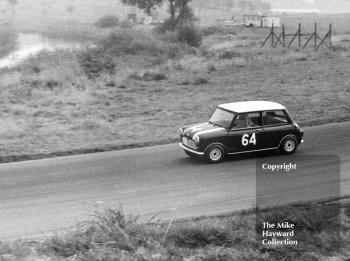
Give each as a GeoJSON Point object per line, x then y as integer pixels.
{"type": "Point", "coordinates": [242, 127]}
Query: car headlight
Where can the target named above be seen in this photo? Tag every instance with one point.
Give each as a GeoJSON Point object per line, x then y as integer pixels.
{"type": "Point", "coordinates": [196, 139]}
{"type": "Point", "coordinates": [296, 125]}
{"type": "Point", "coordinates": [181, 131]}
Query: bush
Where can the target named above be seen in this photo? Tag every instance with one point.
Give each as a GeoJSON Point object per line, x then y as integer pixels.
{"type": "Point", "coordinates": [167, 26]}
{"type": "Point", "coordinates": [94, 63]}
{"type": "Point", "coordinates": [196, 236]}
{"type": "Point", "coordinates": [169, 37]}
{"type": "Point", "coordinates": [148, 76]}
{"type": "Point", "coordinates": [301, 59]}
{"type": "Point", "coordinates": [186, 32]}
{"type": "Point", "coordinates": [218, 30]}
{"type": "Point", "coordinates": [211, 68]}
{"type": "Point", "coordinates": [107, 21]}
{"type": "Point", "coordinates": [189, 34]}
{"type": "Point", "coordinates": [200, 80]}
{"type": "Point", "coordinates": [126, 24]}
{"type": "Point", "coordinates": [128, 43]}
{"type": "Point", "coordinates": [211, 30]}
{"type": "Point", "coordinates": [229, 55]}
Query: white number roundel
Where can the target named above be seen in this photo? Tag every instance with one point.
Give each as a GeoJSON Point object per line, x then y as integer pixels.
{"type": "Point", "coordinates": [246, 140]}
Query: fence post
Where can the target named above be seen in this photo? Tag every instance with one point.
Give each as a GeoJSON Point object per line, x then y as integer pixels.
{"type": "Point", "coordinates": [284, 35]}
{"type": "Point", "coordinates": [315, 36]}
{"type": "Point", "coordinates": [267, 38]}
{"type": "Point", "coordinates": [323, 41]}
{"type": "Point", "coordinates": [299, 35]}
{"type": "Point", "coordinates": [294, 36]}
{"type": "Point", "coordinates": [273, 35]}
{"type": "Point", "coordinates": [330, 37]}
{"type": "Point", "coordinates": [312, 36]}
{"type": "Point", "coordinates": [281, 38]}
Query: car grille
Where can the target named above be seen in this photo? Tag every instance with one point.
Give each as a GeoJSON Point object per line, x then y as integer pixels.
{"type": "Point", "coordinates": [189, 143]}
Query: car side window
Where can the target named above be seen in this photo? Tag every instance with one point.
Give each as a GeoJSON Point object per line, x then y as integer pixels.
{"type": "Point", "coordinates": [240, 122]}
{"type": "Point", "coordinates": [247, 120]}
{"type": "Point", "coordinates": [273, 118]}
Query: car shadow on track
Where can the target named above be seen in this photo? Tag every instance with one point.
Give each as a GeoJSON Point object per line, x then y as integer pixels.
{"type": "Point", "coordinates": [254, 155]}
{"type": "Point", "coordinates": [233, 158]}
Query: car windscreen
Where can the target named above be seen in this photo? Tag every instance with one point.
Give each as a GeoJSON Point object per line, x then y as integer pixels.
{"type": "Point", "coordinates": [222, 118]}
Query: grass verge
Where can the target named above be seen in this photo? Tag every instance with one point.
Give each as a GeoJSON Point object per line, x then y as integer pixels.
{"type": "Point", "coordinates": [322, 230]}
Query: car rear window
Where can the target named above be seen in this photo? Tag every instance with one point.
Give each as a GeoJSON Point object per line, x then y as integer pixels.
{"type": "Point", "coordinates": [274, 118]}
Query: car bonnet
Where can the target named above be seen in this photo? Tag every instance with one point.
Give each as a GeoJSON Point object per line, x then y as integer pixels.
{"type": "Point", "coordinates": [201, 128]}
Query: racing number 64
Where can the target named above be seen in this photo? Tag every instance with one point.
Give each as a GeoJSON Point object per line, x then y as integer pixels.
{"type": "Point", "coordinates": [246, 139]}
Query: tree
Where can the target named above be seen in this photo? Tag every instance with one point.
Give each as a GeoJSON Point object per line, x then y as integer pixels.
{"type": "Point", "coordinates": [179, 10]}
{"type": "Point", "coordinates": [145, 5]}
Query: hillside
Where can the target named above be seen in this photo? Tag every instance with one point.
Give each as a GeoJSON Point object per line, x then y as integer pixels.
{"type": "Point", "coordinates": [324, 6]}
{"type": "Point", "coordinates": [39, 12]}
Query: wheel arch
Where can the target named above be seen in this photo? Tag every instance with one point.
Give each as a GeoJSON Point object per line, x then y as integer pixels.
{"type": "Point", "coordinates": [217, 144]}
{"type": "Point", "coordinates": [288, 136]}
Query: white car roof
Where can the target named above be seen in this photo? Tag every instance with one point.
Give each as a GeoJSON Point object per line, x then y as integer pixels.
{"type": "Point", "coordinates": [251, 106]}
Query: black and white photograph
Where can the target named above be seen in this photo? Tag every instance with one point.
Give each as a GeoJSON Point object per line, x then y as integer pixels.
{"type": "Point", "coordinates": [175, 130]}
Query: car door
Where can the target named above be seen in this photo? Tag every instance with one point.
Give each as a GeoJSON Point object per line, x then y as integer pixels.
{"type": "Point", "coordinates": [245, 133]}
{"type": "Point", "coordinates": [276, 126]}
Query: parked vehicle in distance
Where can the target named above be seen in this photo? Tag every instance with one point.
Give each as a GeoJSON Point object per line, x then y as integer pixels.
{"type": "Point", "coordinates": [242, 127]}
{"type": "Point", "coordinates": [148, 20]}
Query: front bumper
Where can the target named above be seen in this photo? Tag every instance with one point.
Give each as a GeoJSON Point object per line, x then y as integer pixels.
{"type": "Point", "coordinates": [191, 150]}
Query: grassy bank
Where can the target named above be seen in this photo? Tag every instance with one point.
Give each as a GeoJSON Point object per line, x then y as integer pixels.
{"type": "Point", "coordinates": [322, 231]}
{"type": "Point", "coordinates": [139, 87]}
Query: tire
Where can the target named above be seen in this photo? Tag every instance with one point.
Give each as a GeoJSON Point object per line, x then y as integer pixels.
{"type": "Point", "coordinates": [289, 145]}
{"type": "Point", "coordinates": [214, 154]}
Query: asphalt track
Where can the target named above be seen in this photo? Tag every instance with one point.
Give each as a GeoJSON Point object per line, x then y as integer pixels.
{"type": "Point", "coordinates": [39, 198]}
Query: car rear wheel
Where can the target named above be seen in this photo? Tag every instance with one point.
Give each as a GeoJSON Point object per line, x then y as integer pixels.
{"type": "Point", "coordinates": [289, 145]}
{"type": "Point", "coordinates": [214, 154]}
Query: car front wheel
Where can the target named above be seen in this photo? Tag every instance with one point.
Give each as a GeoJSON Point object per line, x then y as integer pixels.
{"type": "Point", "coordinates": [214, 154]}
{"type": "Point", "coordinates": [289, 145]}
